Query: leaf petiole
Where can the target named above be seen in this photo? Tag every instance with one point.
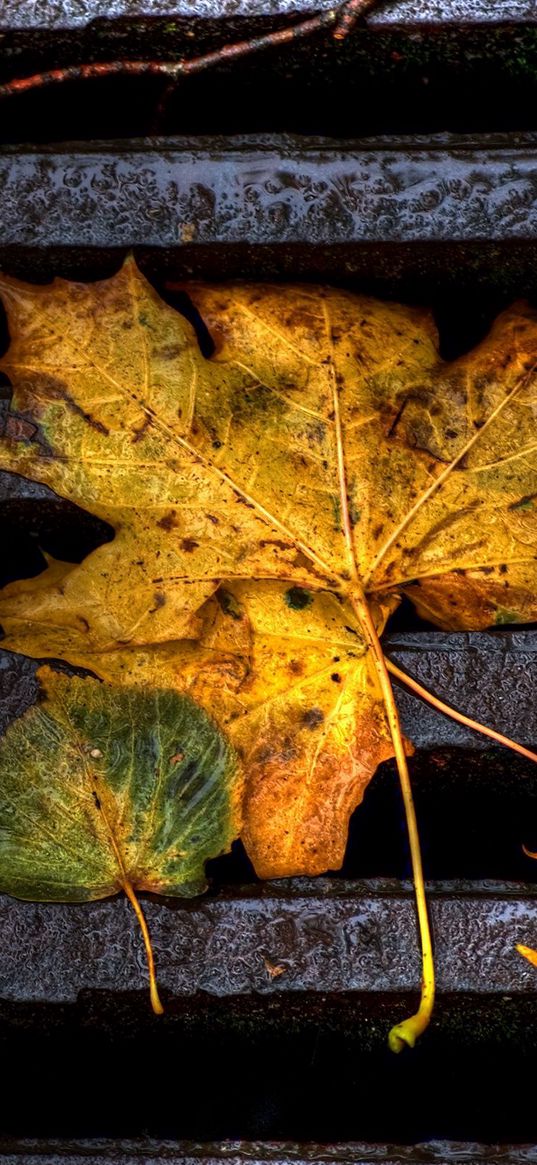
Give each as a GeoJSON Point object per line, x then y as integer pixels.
{"type": "Point", "coordinates": [447, 710]}
{"type": "Point", "coordinates": [404, 1033]}
{"type": "Point", "coordinates": [153, 989]}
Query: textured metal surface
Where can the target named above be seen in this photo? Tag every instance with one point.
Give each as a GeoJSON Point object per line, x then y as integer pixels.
{"type": "Point", "coordinates": [490, 677]}
{"type": "Point", "coordinates": [95, 1152]}
{"type": "Point", "coordinates": [79, 13]}
{"type": "Point", "coordinates": [327, 937]}
{"type": "Point", "coordinates": [267, 193]}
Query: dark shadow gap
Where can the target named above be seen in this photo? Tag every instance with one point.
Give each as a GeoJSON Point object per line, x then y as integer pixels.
{"type": "Point", "coordinates": [232, 869]}
{"type": "Point", "coordinates": [32, 527]}
{"type": "Point", "coordinates": [399, 81]}
{"type": "Point", "coordinates": [181, 301]}
{"type": "Point", "coordinates": [475, 810]}
{"type": "Point", "coordinates": [291, 1066]}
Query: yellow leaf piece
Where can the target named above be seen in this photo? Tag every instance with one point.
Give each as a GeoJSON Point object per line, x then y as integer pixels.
{"type": "Point", "coordinates": [527, 953]}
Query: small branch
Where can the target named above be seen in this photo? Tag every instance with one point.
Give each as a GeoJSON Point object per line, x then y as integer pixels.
{"type": "Point", "coordinates": [348, 14]}
{"type": "Point", "coordinates": [447, 710]}
{"type": "Point", "coordinates": [343, 17]}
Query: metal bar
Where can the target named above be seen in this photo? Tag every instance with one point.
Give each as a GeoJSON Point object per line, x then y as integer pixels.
{"type": "Point", "coordinates": [327, 937]}
{"type": "Point", "coordinates": [66, 14]}
{"type": "Point", "coordinates": [99, 1152]}
{"type": "Point", "coordinates": [488, 676]}
{"type": "Point", "coordinates": [283, 192]}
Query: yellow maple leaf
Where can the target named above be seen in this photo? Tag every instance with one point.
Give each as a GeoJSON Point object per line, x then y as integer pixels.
{"type": "Point", "coordinates": [271, 505]}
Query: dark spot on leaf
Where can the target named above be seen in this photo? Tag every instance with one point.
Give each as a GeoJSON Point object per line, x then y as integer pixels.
{"type": "Point", "coordinates": [229, 604]}
{"type": "Point", "coordinates": [313, 717]}
{"type": "Point", "coordinates": [301, 562]}
{"type": "Point", "coordinates": [296, 666]}
{"type": "Point", "coordinates": [274, 542]}
{"type": "Point", "coordinates": [168, 521]}
{"type": "Point", "coordinates": [159, 600]}
{"type": "Point", "coordinates": [451, 434]}
{"type": "Point", "coordinates": [217, 444]}
{"type": "Point", "coordinates": [188, 544]}
{"type": "Point", "coordinates": [354, 514]}
{"type": "Point", "coordinates": [62, 394]}
{"type": "Point", "coordinates": [335, 677]}
{"type": "Point", "coordinates": [315, 433]}
{"type": "Point", "coordinates": [212, 518]}
{"type": "Point", "coordinates": [297, 598]}
{"type": "Point", "coordinates": [169, 352]}
{"type": "Point", "coordinates": [138, 433]}
{"type": "Point", "coordinates": [503, 568]}
{"type": "Point", "coordinates": [96, 799]}
{"type": "Point", "coordinates": [525, 503]}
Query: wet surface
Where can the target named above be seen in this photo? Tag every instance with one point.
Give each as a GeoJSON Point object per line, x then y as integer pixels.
{"type": "Point", "coordinates": [79, 13]}
{"type": "Point", "coordinates": [326, 936]}
{"type": "Point", "coordinates": [271, 191]}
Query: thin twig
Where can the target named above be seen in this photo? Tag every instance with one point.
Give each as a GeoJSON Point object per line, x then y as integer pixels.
{"type": "Point", "coordinates": [447, 710]}
{"type": "Point", "coordinates": [348, 14]}
{"type": "Point", "coordinates": [343, 17]}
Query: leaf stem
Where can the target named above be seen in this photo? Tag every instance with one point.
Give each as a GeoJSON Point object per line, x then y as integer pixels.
{"type": "Point", "coordinates": [153, 989]}
{"type": "Point", "coordinates": [447, 710]}
{"type": "Point", "coordinates": [99, 795]}
{"type": "Point", "coordinates": [404, 1033]}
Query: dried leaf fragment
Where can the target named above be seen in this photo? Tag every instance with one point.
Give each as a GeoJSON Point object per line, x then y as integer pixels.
{"type": "Point", "coordinates": [528, 953]}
